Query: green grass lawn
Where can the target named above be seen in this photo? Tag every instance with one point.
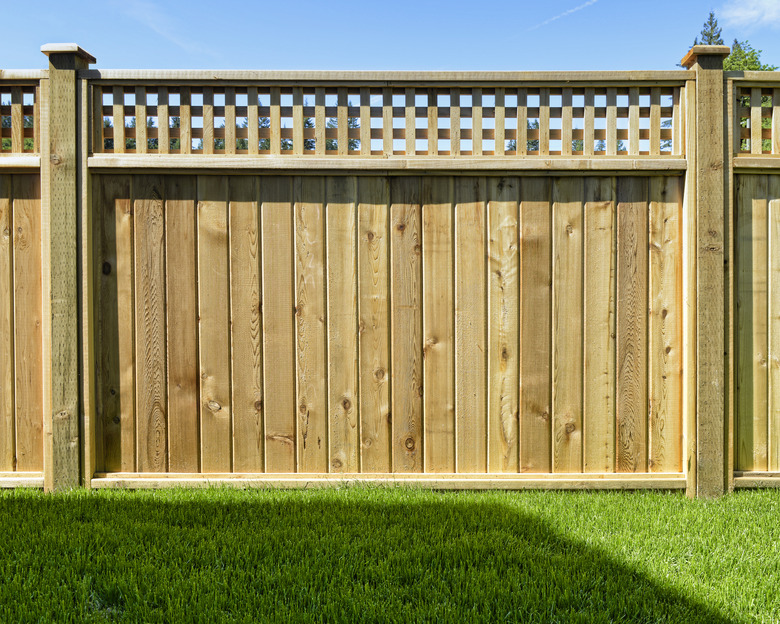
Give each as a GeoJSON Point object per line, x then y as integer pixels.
{"type": "Point", "coordinates": [388, 555]}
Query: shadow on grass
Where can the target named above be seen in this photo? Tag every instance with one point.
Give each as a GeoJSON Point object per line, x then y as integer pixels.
{"type": "Point", "coordinates": [317, 556]}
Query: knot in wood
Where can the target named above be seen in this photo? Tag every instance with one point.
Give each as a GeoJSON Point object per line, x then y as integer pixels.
{"type": "Point", "coordinates": [367, 442]}
{"type": "Point", "coordinates": [370, 236]}
{"type": "Point", "coordinates": [401, 227]}
{"type": "Point", "coordinates": [570, 428]}
{"type": "Point", "coordinates": [569, 228]}
{"type": "Point", "coordinates": [379, 373]}
{"type": "Point", "coordinates": [336, 463]}
{"type": "Point", "coordinates": [106, 268]}
{"type": "Point", "coordinates": [6, 232]}
{"type": "Point", "coordinates": [214, 406]}
{"type": "Point", "coordinates": [409, 443]}
{"type": "Point", "coordinates": [55, 159]}
{"type": "Point", "coordinates": [302, 408]}
{"type": "Point", "coordinates": [346, 404]}
{"type": "Point", "coordinates": [258, 405]}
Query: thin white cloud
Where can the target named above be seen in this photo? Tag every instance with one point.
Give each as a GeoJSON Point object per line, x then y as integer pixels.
{"type": "Point", "coordinates": [159, 21]}
{"type": "Point", "coordinates": [746, 13]}
{"type": "Point", "coordinates": [564, 14]}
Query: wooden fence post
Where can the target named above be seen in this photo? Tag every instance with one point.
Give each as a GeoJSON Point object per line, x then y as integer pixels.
{"type": "Point", "coordinates": [710, 204]}
{"type": "Point", "coordinates": [60, 190]}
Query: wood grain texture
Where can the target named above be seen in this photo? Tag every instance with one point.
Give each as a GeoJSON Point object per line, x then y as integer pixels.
{"type": "Point", "coordinates": [28, 395]}
{"type": "Point", "coordinates": [631, 409]}
{"type": "Point", "coordinates": [277, 280]}
{"type": "Point", "coordinates": [503, 327]}
{"type": "Point", "coordinates": [665, 327]}
{"type": "Point", "coordinates": [773, 329]}
{"type": "Point", "coordinates": [600, 273]}
{"type": "Point", "coordinates": [310, 324]}
{"type": "Point", "coordinates": [406, 324]}
{"type": "Point", "coordinates": [470, 325]}
{"type": "Point", "coordinates": [438, 324]}
{"type": "Point", "coordinates": [752, 306]}
{"type": "Point", "coordinates": [116, 323]}
{"type": "Point", "coordinates": [214, 329]}
{"type": "Point", "coordinates": [374, 325]}
{"type": "Point", "coordinates": [7, 420]}
{"type": "Point", "coordinates": [567, 321]}
{"type": "Point", "coordinates": [535, 325]}
{"type": "Point", "coordinates": [150, 334]}
{"type": "Point", "coordinates": [246, 326]}
{"type": "Point", "coordinates": [343, 417]}
{"type": "Point", "coordinates": [182, 308]}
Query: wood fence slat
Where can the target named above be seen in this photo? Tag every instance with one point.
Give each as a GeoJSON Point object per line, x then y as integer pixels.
{"type": "Point", "coordinates": [342, 129]}
{"type": "Point", "coordinates": [522, 122]}
{"type": "Point", "coordinates": [7, 420]}
{"type": "Point", "coordinates": [374, 325]}
{"type": "Point", "coordinates": [185, 120]}
{"type": "Point", "coordinates": [28, 354]}
{"type": "Point", "coordinates": [500, 116]}
{"type": "Point", "coordinates": [252, 121]}
{"type": "Point", "coordinates": [208, 120]}
{"type": "Point", "coordinates": [150, 338]}
{"type": "Point", "coordinates": [98, 145]}
{"type": "Point", "coordinates": [589, 123]}
{"type": "Point", "coordinates": [213, 326]}
{"type": "Point", "coordinates": [566, 122]}
{"type": "Point", "coordinates": [775, 124]}
{"type": "Point", "coordinates": [297, 121]}
{"type": "Point", "coordinates": [679, 120]}
{"type": "Point", "coordinates": [612, 139]}
{"type": "Point", "coordinates": [755, 121]}
{"type": "Point", "coordinates": [246, 326]}
{"type": "Point", "coordinates": [599, 326]}
{"type": "Point", "coordinates": [163, 128]}
{"type": "Point", "coordinates": [503, 328]}
{"type": "Point", "coordinates": [544, 121]}
{"type": "Point", "coordinates": [633, 121]}
{"type": "Point", "coordinates": [319, 121]}
{"type": "Point", "coordinates": [276, 121]}
{"type": "Point", "coordinates": [342, 314]}
{"type": "Point", "coordinates": [433, 122]}
{"type": "Point", "coordinates": [567, 243]}
{"type": "Point", "coordinates": [406, 324]}
{"type": "Point", "coordinates": [277, 250]}
{"type": "Point", "coordinates": [655, 121]}
{"type": "Point", "coordinates": [631, 409]}
{"type": "Point", "coordinates": [181, 268]}
{"type": "Point", "coordinates": [438, 330]}
{"type": "Point", "coordinates": [409, 122]}
{"type": "Point", "coordinates": [454, 121]}
{"type": "Point", "coordinates": [665, 330]}
{"type": "Point", "coordinates": [365, 121]}
{"type": "Point", "coordinates": [119, 120]}
{"type": "Point", "coordinates": [752, 310]}
{"type": "Point", "coordinates": [311, 328]}
{"type": "Point", "coordinates": [773, 301]}
{"type": "Point", "coordinates": [17, 121]}
{"type": "Point", "coordinates": [141, 144]}
{"type": "Point", "coordinates": [535, 325]}
{"type": "Point", "coordinates": [470, 324]}
{"type": "Point", "coordinates": [387, 121]}
{"type": "Point", "coordinates": [230, 120]}
{"type": "Point", "coordinates": [476, 122]}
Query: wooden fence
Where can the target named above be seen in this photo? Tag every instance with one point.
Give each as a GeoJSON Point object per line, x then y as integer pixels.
{"type": "Point", "coordinates": [498, 280]}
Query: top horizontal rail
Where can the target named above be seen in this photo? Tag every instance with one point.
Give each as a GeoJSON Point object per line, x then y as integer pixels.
{"type": "Point", "coordinates": [23, 75]}
{"type": "Point", "coordinates": [754, 76]}
{"type": "Point", "coordinates": [677, 77]}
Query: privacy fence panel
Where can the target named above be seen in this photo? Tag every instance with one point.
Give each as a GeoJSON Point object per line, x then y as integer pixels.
{"type": "Point", "coordinates": [374, 324]}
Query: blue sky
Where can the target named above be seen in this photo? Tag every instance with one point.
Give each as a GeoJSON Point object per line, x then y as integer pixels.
{"type": "Point", "coordinates": [370, 35]}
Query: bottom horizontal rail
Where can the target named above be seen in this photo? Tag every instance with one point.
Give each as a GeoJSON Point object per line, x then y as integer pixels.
{"type": "Point", "coordinates": [757, 479]}
{"type": "Point", "coordinates": [605, 481]}
{"type": "Point", "coordinates": [21, 479]}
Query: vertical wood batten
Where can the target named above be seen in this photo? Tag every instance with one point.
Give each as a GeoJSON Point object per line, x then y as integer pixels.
{"type": "Point", "coordinates": [7, 412]}
{"type": "Point", "coordinates": [230, 120]}
{"type": "Point", "coordinates": [500, 125]}
{"type": "Point", "coordinates": [119, 120]}
{"type": "Point", "coordinates": [163, 123]}
{"type": "Point", "coordinates": [185, 120]}
{"type": "Point", "coordinates": [141, 144]}
{"type": "Point", "coordinates": [60, 326]}
{"type": "Point", "coordinates": [253, 121]}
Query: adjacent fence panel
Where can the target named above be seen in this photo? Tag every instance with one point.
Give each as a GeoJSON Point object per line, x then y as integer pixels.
{"type": "Point", "coordinates": [387, 325]}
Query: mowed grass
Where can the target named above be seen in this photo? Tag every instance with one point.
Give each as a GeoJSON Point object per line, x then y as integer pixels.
{"type": "Point", "coordinates": [359, 554]}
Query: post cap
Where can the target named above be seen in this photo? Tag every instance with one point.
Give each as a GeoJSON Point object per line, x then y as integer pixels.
{"type": "Point", "coordinates": [67, 48]}
{"type": "Point", "coordinates": [702, 50]}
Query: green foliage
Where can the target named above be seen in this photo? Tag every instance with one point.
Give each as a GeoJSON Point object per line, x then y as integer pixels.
{"type": "Point", "coordinates": [710, 32]}
{"type": "Point", "coordinates": [362, 554]}
{"type": "Point", "coordinates": [744, 58]}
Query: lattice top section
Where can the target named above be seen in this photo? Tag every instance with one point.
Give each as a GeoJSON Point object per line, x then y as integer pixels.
{"type": "Point", "coordinates": [388, 121]}
{"type": "Point", "coordinates": [757, 120]}
{"type": "Point", "coordinates": [18, 119]}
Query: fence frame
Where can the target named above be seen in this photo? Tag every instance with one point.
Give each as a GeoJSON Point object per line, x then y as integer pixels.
{"type": "Point", "coordinates": [707, 160]}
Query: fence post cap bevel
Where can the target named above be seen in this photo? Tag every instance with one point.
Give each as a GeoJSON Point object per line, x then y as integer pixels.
{"type": "Point", "coordinates": [67, 48]}
{"type": "Point", "coordinates": [704, 50]}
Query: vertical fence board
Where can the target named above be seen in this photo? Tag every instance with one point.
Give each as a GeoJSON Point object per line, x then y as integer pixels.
{"type": "Point", "coordinates": [503, 331]}
{"type": "Point", "coordinates": [406, 324]}
{"type": "Point", "coordinates": [342, 365]}
{"type": "Point", "coordinates": [567, 244]}
{"type": "Point", "coordinates": [752, 307]}
{"type": "Point", "coordinates": [438, 330]}
{"type": "Point", "coordinates": [246, 326]}
{"type": "Point", "coordinates": [535, 325]}
{"type": "Point", "coordinates": [599, 326]}
{"type": "Point", "coordinates": [374, 325]}
{"type": "Point", "coordinates": [310, 317]}
{"type": "Point", "coordinates": [631, 412]}
{"type": "Point", "coordinates": [7, 428]}
{"type": "Point", "coordinates": [665, 329]}
{"type": "Point", "coordinates": [773, 329]}
{"type": "Point", "coordinates": [279, 332]}
{"type": "Point", "coordinates": [214, 329]}
{"type": "Point", "coordinates": [470, 325]}
{"type": "Point", "coordinates": [181, 268]}
{"type": "Point", "coordinates": [150, 344]}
